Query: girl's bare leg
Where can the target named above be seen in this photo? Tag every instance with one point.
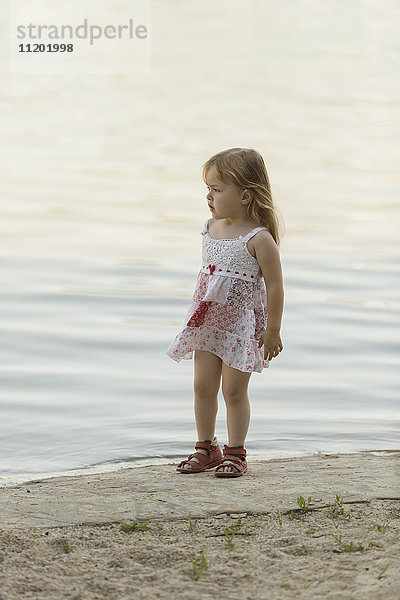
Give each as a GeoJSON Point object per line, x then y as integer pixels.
{"type": "Point", "coordinates": [206, 383]}
{"type": "Point", "coordinates": [234, 389]}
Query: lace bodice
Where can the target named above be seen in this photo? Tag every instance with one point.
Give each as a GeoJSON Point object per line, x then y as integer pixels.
{"type": "Point", "coordinates": [229, 257]}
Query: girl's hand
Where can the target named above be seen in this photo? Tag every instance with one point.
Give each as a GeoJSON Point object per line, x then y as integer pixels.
{"type": "Point", "coordinates": [272, 344]}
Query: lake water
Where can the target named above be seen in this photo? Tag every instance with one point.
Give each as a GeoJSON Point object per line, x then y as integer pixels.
{"type": "Point", "coordinates": [101, 210]}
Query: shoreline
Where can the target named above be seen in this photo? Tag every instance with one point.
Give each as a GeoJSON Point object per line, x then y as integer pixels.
{"type": "Point", "coordinates": [114, 466]}
{"type": "Point", "coordinates": [158, 491]}
{"type": "Point", "coordinates": [63, 537]}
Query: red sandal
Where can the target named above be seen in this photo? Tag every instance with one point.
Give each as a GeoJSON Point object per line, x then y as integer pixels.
{"type": "Point", "coordinates": [209, 461]}
{"type": "Point", "coordinates": [238, 463]}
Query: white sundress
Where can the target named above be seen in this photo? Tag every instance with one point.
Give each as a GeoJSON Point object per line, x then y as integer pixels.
{"type": "Point", "coordinates": [228, 312]}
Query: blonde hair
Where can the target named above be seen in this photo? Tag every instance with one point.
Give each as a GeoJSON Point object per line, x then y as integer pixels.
{"type": "Point", "coordinates": [245, 167]}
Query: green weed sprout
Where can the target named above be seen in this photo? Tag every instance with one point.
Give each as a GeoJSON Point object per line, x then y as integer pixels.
{"type": "Point", "coordinates": [337, 510]}
{"type": "Point", "coordinates": [197, 568]}
{"type": "Point", "coordinates": [278, 517]}
{"type": "Point", "coordinates": [382, 528]}
{"type": "Point", "coordinates": [135, 526]}
{"type": "Point", "coordinates": [66, 548]}
{"type": "Point", "coordinates": [303, 504]}
{"type": "Point", "coordinates": [381, 574]}
{"type": "Point", "coordinates": [352, 547]}
{"type": "Point", "coordinates": [230, 533]}
{"type": "Point", "coordinates": [304, 507]}
{"type": "Point", "coordinates": [338, 538]}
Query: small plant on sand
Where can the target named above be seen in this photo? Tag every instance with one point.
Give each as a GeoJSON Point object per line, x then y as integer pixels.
{"type": "Point", "coordinates": [338, 538]}
{"type": "Point", "coordinates": [335, 524]}
{"type": "Point", "coordinates": [382, 528]}
{"type": "Point", "coordinates": [304, 508]}
{"type": "Point", "coordinates": [306, 584]}
{"type": "Point", "coordinates": [353, 547]}
{"type": "Point", "coordinates": [278, 517]}
{"type": "Point", "coordinates": [381, 574]}
{"type": "Point", "coordinates": [230, 533]}
{"type": "Point", "coordinates": [135, 526]}
{"type": "Point", "coordinates": [337, 510]}
{"type": "Point", "coordinates": [66, 548]}
{"type": "Point", "coordinates": [311, 530]}
{"type": "Point", "coordinates": [285, 584]}
{"type": "Point", "coordinates": [199, 565]}
{"type": "Point", "coordinates": [306, 550]}
{"type": "Point", "coordinates": [191, 526]}
{"type": "Point", "coordinates": [304, 504]}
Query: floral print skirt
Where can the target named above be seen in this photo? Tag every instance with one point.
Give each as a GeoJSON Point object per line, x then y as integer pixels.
{"type": "Point", "coordinates": [230, 328]}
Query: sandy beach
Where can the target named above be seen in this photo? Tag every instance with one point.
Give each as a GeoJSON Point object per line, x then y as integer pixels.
{"type": "Point", "coordinates": [321, 526]}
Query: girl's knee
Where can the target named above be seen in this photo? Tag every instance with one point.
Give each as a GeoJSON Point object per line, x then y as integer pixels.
{"type": "Point", "coordinates": [204, 387]}
{"type": "Point", "coordinates": [234, 384]}
{"type": "Point", "coordinates": [234, 395]}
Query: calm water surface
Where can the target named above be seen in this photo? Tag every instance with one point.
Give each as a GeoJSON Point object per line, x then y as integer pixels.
{"type": "Point", "coordinates": [101, 212]}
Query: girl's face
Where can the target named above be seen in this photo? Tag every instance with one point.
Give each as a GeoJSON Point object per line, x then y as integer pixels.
{"type": "Point", "coordinates": [224, 200]}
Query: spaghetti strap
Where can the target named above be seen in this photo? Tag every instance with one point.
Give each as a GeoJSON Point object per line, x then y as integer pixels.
{"type": "Point", "coordinates": [205, 228]}
{"type": "Point", "coordinates": [249, 235]}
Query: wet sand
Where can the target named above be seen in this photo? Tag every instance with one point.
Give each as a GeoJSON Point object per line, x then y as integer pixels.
{"type": "Point", "coordinates": [199, 536]}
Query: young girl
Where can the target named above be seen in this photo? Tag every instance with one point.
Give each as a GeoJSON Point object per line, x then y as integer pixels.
{"type": "Point", "coordinates": [236, 307]}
